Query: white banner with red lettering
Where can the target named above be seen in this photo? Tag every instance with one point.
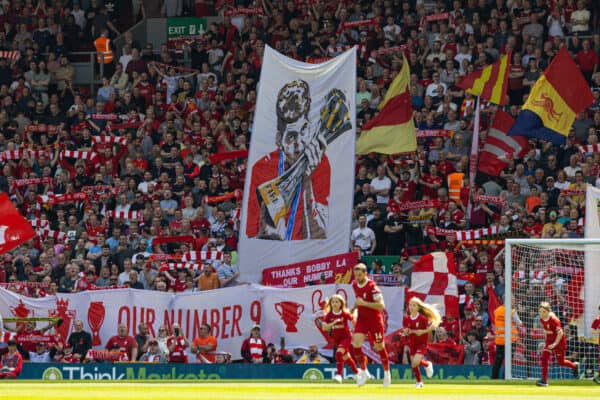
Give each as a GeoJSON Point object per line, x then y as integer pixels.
{"type": "Point", "coordinates": [334, 269]}
{"type": "Point", "coordinates": [231, 312]}
{"type": "Point", "coordinates": [299, 191]}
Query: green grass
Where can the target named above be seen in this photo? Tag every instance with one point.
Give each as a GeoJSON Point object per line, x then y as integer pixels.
{"type": "Point", "coordinates": [240, 390]}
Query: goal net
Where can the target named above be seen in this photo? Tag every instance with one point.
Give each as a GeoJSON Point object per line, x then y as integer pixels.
{"type": "Point", "coordinates": [565, 273]}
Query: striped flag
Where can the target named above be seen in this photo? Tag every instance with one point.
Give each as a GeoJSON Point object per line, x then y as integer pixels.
{"type": "Point", "coordinates": [499, 147]}
{"type": "Point", "coordinates": [491, 83]}
{"type": "Point", "coordinates": [391, 131]}
{"type": "Point", "coordinates": [191, 256]}
{"type": "Point", "coordinates": [10, 54]}
{"type": "Point", "coordinates": [555, 99]}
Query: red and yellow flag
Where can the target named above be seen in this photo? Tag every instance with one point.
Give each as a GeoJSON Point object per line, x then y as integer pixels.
{"type": "Point", "coordinates": [554, 101]}
{"type": "Point", "coordinates": [491, 83]}
{"type": "Point", "coordinates": [391, 131]}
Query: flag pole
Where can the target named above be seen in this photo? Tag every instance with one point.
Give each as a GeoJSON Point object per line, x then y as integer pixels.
{"type": "Point", "coordinates": [474, 158]}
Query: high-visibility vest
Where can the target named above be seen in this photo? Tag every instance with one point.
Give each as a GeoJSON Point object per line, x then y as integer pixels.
{"type": "Point", "coordinates": [499, 322]}
{"type": "Point", "coordinates": [455, 183]}
{"type": "Point", "coordinates": [103, 47]}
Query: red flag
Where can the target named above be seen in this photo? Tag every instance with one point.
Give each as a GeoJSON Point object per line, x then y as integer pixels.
{"type": "Point", "coordinates": [574, 298]}
{"type": "Point", "coordinates": [14, 229]}
{"type": "Point", "coordinates": [499, 147]}
{"type": "Point", "coordinates": [493, 300]}
{"type": "Point", "coordinates": [434, 281]}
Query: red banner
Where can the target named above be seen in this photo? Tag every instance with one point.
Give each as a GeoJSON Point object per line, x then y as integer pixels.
{"type": "Point", "coordinates": [332, 269]}
{"type": "Point", "coordinates": [356, 24]}
{"type": "Point", "coordinates": [236, 194]}
{"type": "Point", "coordinates": [497, 200]}
{"type": "Point", "coordinates": [425, 133]}
{"type": "Point", "coordinates": [317, 60]}
{"type": "Point", "coordinates": [445, 353]}
{"type": "Point", "coordinates": [31, 181]}
{"type": "Point", "coordinates": [437, 17]}
{"type": "Point", "coordinates": [415, 205]}
{"type": "Point", "coordinates": [387, 50]}
{"type": "Point", "coordinates": [230, 155]}
{"type": "Point", "coordinates": [243, 11]}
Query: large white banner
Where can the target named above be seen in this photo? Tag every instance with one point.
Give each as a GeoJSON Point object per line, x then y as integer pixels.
{"type": "Point", "coordinates": [299, 185]}
{"type": "Point", "coordinates": [231, 312]}
{"type": "Point", "coordinates": [592, 256]}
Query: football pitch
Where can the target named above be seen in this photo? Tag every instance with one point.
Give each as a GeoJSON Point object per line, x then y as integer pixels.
{"type": "Point", "coordinates": [239, 390]}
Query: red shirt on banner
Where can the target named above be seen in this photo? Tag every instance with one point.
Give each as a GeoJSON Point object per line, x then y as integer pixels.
{"type": "Point", "coordinates": [267, 169]}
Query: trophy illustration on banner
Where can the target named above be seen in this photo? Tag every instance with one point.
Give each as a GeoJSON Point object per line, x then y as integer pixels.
{"type": "Point", "coordinates": [289, 311]}
{"type": "Point", "coordinates": [96, 314]}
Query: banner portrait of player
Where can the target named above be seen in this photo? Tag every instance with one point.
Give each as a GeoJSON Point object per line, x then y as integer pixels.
{"type": "Point", "coordinates": [293, 199]}
{"type": "Point", "coordinates": [298, 187]}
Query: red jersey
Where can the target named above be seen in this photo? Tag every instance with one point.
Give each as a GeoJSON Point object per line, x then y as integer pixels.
{"type": "Point", "coordinates": [124, 344]}
{"type": "Point", "coordinates": [445, 167]}
{"type": "Point", "coordinates": [596, 325]}
{"type": "Point", "coordinates": [178, 353]}
{"type": "Point", "coordinates": [369, 292]}
{"type": "Point", "coordinates": [409, 189]}
{"type": "Point", "coordinates": [551, 327]}
{"type": "Point", "coordinates": [178, 285]}
{"type": "Point", "coordinates": [481, 270]}
{"type": "Point", "coordinates": [432, 180]}
{"type": "Point", "coordinates": [587, 60]}
{"type": "Point", "coordinates": [457, 216]}
{"type": "Point", "coordinates": [340, 330]}
{"type": "Point", "coordinates": [393, 205]}
{"type": "Point", "coordinates": [419, 322]}
{"type": "Point", "coordinates": [12, 361]}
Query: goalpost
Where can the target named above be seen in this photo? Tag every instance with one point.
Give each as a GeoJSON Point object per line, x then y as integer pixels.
{"type": "Point", "coordinates": [566, 273]}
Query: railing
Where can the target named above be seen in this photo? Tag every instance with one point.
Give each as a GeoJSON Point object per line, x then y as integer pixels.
{"type": "Point", "coordinates": [83, 63]}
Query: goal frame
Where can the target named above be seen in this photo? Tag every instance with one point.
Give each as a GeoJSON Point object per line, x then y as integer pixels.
{"type": "Point", "coordinates": [508, 274]}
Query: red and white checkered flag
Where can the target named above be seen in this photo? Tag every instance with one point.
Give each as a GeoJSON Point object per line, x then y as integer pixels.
{"type": "Point", "coordinates": [434, 281]}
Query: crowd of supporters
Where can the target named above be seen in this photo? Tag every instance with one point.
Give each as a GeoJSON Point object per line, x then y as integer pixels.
{"type": "Point", "coordinates": [151, 153]}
